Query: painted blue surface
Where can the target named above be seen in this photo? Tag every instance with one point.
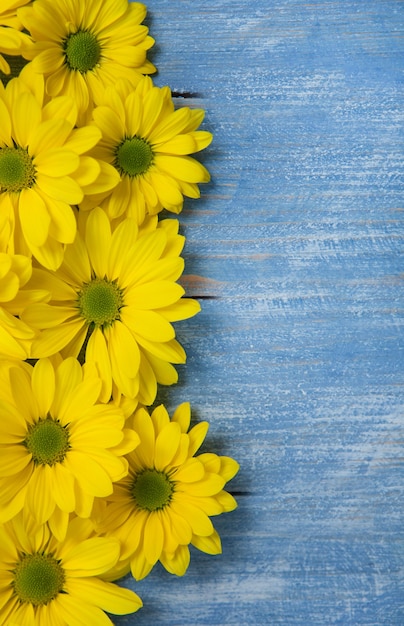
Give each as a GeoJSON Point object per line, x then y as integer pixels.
{"type": "Point", "coordinates": [297, 357]}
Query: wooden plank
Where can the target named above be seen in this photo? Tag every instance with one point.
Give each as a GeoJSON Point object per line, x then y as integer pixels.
{"type": "Point", "coordinates": [295, 249]}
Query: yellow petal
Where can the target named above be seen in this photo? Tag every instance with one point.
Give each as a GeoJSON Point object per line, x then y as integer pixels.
{"type": "Point", "coordinates": [167, 444]}
{"type": "Point", "coordinates": [43, 385]}
{"type": "Point", "coordinates": [153, 295]}
{"type": "Point", "coordinates": [153, 538]}
{"type": "Point", "coordinates": [83, 139]}
{"type": "Point", "coordinates": [100, 428]}
{"type": "Point", "coordinates": [192, 470]}
{"type": "Point", "coordinates": [63, 188]}
{"type": "Point", "coordinates": [49, 60]}
{"type": "Point", "coordinates": [182, 416]}
{"type": "Point", "coordinates": [123, 239]}
{"type": "Point", "coordinates": [109, 597]}
{"type": "Point", "coordinates": [34, 216]}
{"type": "Point", "coordinates": [181, 144]}
{"type": "Point", "coordinates": [88, 172]}
{"type": "Point", "coordinates": [25, 401]}
{"type": "Point", "coordinates": [40, 500]}
{"type": "Point", "coordinates": [109, 123]}
{"type": "Point", "coordinates": [63, 225]}
{"type": "Point", "coordinates": [63, 488]}
{"type": "Point", "coordinates": [98, 240]}
{"type": "Point", "coordinates": [14, 459]}
{"type": "Point", "coordinates": [182, 167]}
{"type": "Point", "coordinates": [85, 395]}
{"type": "Point", "coordinates": [199, 521]}
{"type": "Point", "coordinates": [5, 127]}
{"type": "Point", "coordinates": [170, 351]}
{"type": "Point", "coordinates": [107, 179]}
{"type": "Point", "coordinates": [53, 340]}
{"type": "Point", "coordinates": [228, 467]}
{"type": "Point", "coordinates": [210, 545]}
{"type": "Point", "coordinates": [79, 613]}
{"type": "Point", "coordinates": [10, 347]}
{"type": "Point", "coordinates": [148, 324]}
{"type": "Point", "coordinates": [97, 353]}
{"type": "Point", "coordinates": [197, 435]}
{"type": "Point", "coordinates": [58, 524]}
{"type": "Point", "coordinates": [178, 562]}
{"type": "Point", "coordinates": [180, 528]}
{"type": "Point", "coordinates": [68, 376]}
{"type": "Point", "coordinates": [90, 557]}
{"type": "Point", "coordinates": [140, 566]}
{"type": "Point", "coordinates": [147, 381]}
{"type": "Point", "coordinates": [9, 286]}
{"type": "Point", "coordinates": [92, 478]}
{"type": "Point", "coordinates": [26, 115]}
{"type": "Point", "coordinates": [57, 162]}
{"type": "Point", "coordinates": [49, 135]}
{"type": "Point", "coordinates": [50, 255]}
{"type": "Point", "coordinates": [142, 424]}
{"type": "Point", "coordinates": [181, 310]}
{"type": "Point", "coordinates": [13, 427]}
{"type": "Point", "coordinates": [123, 350]}
{"type": "Point", "coordinates": [210, 485]}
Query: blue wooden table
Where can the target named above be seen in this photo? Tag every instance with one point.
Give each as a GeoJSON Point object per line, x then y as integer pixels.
{"type": "Point", "coordinates": [297, 357]}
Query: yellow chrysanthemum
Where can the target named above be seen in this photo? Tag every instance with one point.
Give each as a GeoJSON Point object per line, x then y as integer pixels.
{"type": "Point", "coordinates": [43, 170]}
{"type": "Point", "coordinates": [15, 335]}
{"type": "Point", "coordinates": [164, 503]}
{"type": "Point", "coordinates": [11, 39]}
{"type": "Point", "coordinates": [47, 582]}
{"type": "Point", "coordinates": [148, 143]}
{"type": "Point", "coordinates": [81, 47]}
{"type": "Point", "coordinates": [114, 297]}
{"type": "Point", "coordinates": [59, 447]}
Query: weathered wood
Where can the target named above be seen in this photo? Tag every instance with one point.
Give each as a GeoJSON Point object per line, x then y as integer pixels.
{"type": "Point", "coordinates": [297, 357]}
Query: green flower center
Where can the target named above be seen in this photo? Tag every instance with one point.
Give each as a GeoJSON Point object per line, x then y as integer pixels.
{"type": "Point", "coordinates": [152, 490]}
{"type": "Point", "coordinates": [133, 156]}
{"type": "Point", "coordinates": [82, 51]}
{"type": "Point", "coordinates": [100, 301]}
{"type": "Point", "coordinates": [38, 579]}
{"type": "Point", "coordinates": [16, 169]}
{"type": "Point", "coordinates": [48, 441]}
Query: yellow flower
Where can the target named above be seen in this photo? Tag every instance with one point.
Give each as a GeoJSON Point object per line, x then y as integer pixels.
{"type": "Point", "coordinates": [165, 502]}
{"type": "Point", "coordinates": [81, 47]}
{"type": "Point", "coordinates": [149, 143]}
{"type": "Point", "coordinates": [15, 335]}
{"type": "Point", "coordinates": [114, 297]}
{"type": "Point", "coordinates": [47, 582]}
{"type": "Point", "coordinates": [11, 39]}
{"type": "Point", "coordinates": [59, 447]}
{"type": "Point", "coordinates": [43, 170]}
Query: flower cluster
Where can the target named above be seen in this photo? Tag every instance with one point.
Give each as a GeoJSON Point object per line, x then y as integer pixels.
{"type": "Point", "coordinates": [95, 483]}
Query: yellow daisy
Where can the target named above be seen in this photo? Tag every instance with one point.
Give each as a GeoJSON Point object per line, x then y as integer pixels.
{"type": "Point", "coordinates": [47, 582]}
{"type": "Point", "coordinates": [43, 170]}
{"type": "Point", "coordinates": [114, 298]}
{"type": "Point", "coordinates": [59, 447]}
{"type": "Point", "coordinates": [81, 47]}
{"type": "Point", "coordinates": [11, 39]}
{"type": "Point", "coordinates": [164, 503]}
{"type": "Point", "coordinates": [148, 143]}
{"type": "Point", "coordinates": [15, 335]}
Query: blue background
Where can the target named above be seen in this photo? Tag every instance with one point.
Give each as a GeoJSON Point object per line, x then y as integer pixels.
{"type": "Point", "coordinates": [297, 357]}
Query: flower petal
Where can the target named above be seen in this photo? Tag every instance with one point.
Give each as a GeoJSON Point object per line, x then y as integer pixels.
{"type": "Point", "coordinates": [108, 596]}
{"type": "Point", "coordinates": [34, 216]}
{"type": "Point", "coordinates": [43, 385]}
{"type": "Point", "coordinates": [91, 557]}
{"type": "Point", "coordinates": [98, 241]}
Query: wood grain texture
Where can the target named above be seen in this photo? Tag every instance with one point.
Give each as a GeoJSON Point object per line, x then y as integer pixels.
{"type": "Point", "coordinates": [295, 249]}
